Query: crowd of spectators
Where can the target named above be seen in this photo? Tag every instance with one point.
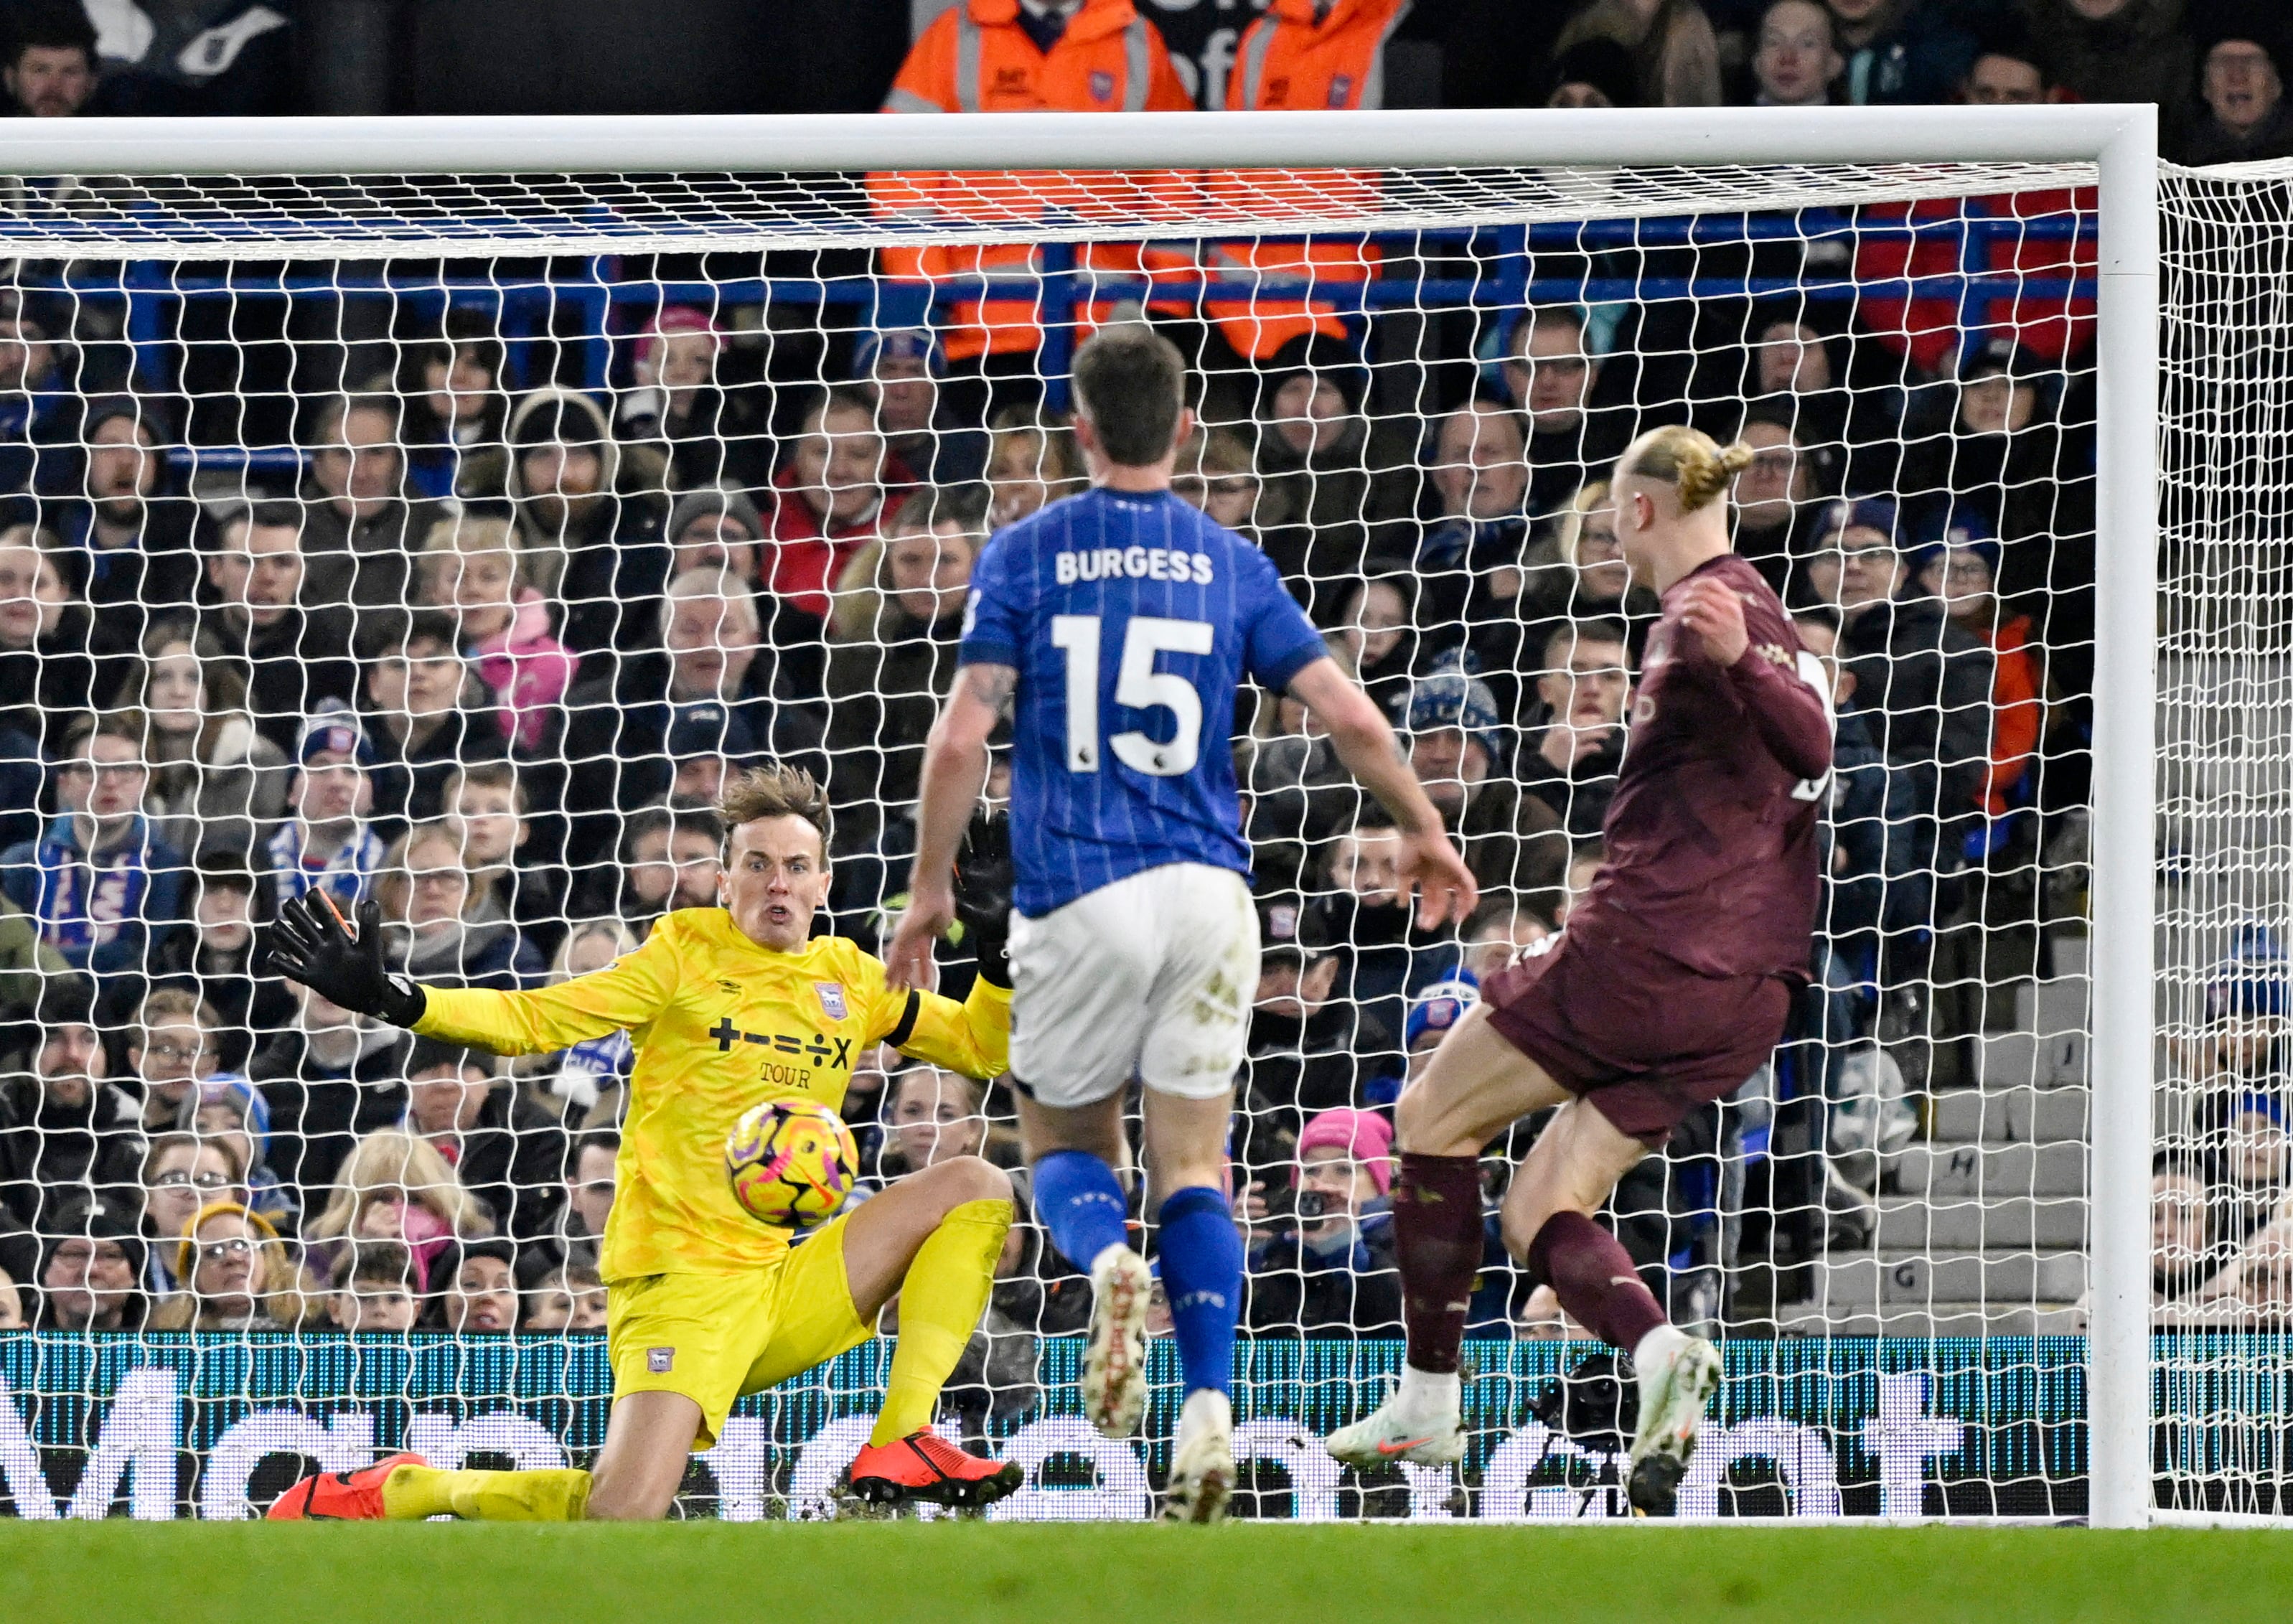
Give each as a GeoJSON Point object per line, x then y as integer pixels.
{"type": "Point", "coordinates": [486, 653]}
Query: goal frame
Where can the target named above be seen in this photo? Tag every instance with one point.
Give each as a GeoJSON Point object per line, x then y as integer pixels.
{"type": "Point", "coordinates": [2120, 139]}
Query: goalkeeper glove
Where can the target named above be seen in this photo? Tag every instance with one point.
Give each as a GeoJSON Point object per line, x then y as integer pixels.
{"type": "Point", "coordinates": [312, 944]}
{"type": "Point", "coordinates": [983, 893]}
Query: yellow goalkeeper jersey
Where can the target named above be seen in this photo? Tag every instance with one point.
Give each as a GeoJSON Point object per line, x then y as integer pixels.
{"type": "Point", "coordinates": [719, 1024]}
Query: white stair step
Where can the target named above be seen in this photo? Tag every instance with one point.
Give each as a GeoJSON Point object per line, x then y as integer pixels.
{"type": "Point", "coordinates": [2064, 1005]}
{"type": "Point", "coordinates": [1998, 1116]}
{"type": "Point", "coordinates": [1991, 1171]}
{"type": "Point", "coordinates": [1942, 1320]}
{"type": "Point", "coordinates": [2032, 1060]}
{"type": "Point", "coordinates": [2004, 1278]}
{"type": "Point", "coordinates": [1914, 1223]}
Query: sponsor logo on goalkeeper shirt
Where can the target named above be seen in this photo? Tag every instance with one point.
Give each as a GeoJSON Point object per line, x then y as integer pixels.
{"type": "Point", "coordinates": [1139, 563]}
{"type": "Point", "coordinates": [821, 1050]}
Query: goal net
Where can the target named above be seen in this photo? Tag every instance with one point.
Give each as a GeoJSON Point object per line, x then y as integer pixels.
{"type": "Point", "coordinates": [2224, 681]}
{"type": "Point", "coordinates": [447, 540]}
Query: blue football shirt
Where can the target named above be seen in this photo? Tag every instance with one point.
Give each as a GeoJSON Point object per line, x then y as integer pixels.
{"type": "Point", "coordinates": [1132, 619]}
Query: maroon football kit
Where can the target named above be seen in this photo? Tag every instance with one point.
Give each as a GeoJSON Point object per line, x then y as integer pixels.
{"type": "Point", "coordinates": [1672, 982]}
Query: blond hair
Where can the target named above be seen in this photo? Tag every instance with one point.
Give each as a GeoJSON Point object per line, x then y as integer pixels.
{"type": "Point", "coordinates": [471, 533]}
{"type": "Point", "coordinates": [392, 1158]}
{"type": "Point", "coordinates": [1686, 458]}
{"type": "Point", "coordinates": [772, 790]}
{"type": "Point", "coordinates": [394, 881]}
{"type": "Point", "coordinates": [173, 1007]}
{"type": "Point", "coordinates": [1568, 525]}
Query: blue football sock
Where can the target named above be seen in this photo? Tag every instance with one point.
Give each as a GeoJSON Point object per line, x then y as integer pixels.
{"type": "Point", "coordinates": [1079, 1202]}
{"type": "Point", "coordinates": [1200, 1252]}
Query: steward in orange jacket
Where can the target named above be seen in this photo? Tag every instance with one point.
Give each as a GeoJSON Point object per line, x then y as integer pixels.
{"type": "Point", "coordinates": [983, 56]}
{"type": "Point", "coordinates": [1299, 56]}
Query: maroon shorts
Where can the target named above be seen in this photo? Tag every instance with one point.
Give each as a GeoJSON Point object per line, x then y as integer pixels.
{"type": "Point", "coordinates": [1646, 1041]}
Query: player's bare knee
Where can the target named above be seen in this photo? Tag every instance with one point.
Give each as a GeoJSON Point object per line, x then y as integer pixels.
{"type": "Point", "coordinates": [1414, 1114]}
{"type": "Point", "coordinates": [1519, 1224]}
{"type": "Point", "coordinates": [1426, 1121]}
{"type": "Point", "coordinates": [966, 1178]}
{"type": "Point", "coordinates": [625, 1497]}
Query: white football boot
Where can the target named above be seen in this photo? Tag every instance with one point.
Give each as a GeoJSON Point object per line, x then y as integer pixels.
{"type": "Point", "coordinates": [1202, 1462]}
{"type": "Point", "coordinates": [1114, 1360]}
{"type": "Point", "coordinates": [1421, 1421]}
{"type": "Point", "coordinates": [1678, 1374]}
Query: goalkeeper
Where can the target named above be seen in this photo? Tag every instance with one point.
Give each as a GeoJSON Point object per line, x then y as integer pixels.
{"type": "Point", "coordinates": [728, 1008]}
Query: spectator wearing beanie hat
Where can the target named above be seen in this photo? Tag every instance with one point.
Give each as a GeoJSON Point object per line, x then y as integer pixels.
{"type": "Point", "coordinates": [475, 1283]}
{"type": "Point", "coordinates": [1337, 489]}
{"type": "Point", "coordinates": [1309, 1049]}
{"type": "Point", "coordinates": [325, 842]}
{"type": "Point", "coordinates": [89, 1272]}
{"type": "Point", "coordinates": [2243, 85]}
{"type": "Point", "coordinates": [1329, 1267]}
{"type": "Point", "coordinates": [904, 364]}
{"type": "Point", "coordinates": [1596, 72]}
{"type": "Point", "coordinates": [716, 528]}
{"type": "Point", "coordinates": [677, 404]}
{"type": "Point", "coordinates": [1511, 840]}
{"type": "Point", "coordinates": [1960, 567]}
{"type": "Point", "coordinates": [589, 511]}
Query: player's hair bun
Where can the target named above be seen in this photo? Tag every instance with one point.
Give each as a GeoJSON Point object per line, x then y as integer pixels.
{"type": "Point", "coordinates": [1688, 459]}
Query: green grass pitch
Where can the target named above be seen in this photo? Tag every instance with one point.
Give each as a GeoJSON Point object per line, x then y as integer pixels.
{"type": "Point", "coordinates": [810, 1573]}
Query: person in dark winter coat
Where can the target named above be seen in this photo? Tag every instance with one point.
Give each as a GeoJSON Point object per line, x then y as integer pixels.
{"type": "Point", "coordinates": [891, 655]}
{"type": "Point", "coordinates": [127, 540]}
{"type": "Point", "coordinates": [2118, 51]}
{"type": "Point", "coordinates": [589, 511]}
{"type": "Point", "coordinates": [1899, 52]}
{"type": "Point", "coordinates": [1338, 490]}
{"type": "Point", "coordinates": [296, 655]}
{"type": "Point", "coordinates": [46, 675]}
{"type": "Point", "coordinates": [1329, 1266]}
{"type": "Point", "coordinates": [706, 431]}
{"type": "Point", "coordinates": [66, 1129]}
{"type": "Point", "coordinates": [331, 1079]}
{"type": "Point", "coordinates": [504, 1150]}
{"type": "Point", "coordinates": [1308, 1051]}
{"type": "Point", "coordinates": [2245, 117]}
{"type": "Point", "coordinates": [362, 523]}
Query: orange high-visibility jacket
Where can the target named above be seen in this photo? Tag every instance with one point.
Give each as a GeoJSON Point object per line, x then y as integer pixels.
{"type": "Point", "coordinates": [976, 57]}
{"type": "Point", "coordinates": [1289, 59]}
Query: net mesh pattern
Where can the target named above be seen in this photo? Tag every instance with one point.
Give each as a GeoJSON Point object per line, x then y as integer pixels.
{"type": "Point", "coordinates": [2225, 731]}
{"type": "Point", "coordinates": [575, 493]}
{"type": "Point", "coordinates": [272, 217]}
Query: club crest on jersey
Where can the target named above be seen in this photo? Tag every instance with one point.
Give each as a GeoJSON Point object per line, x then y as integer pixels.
{"type": "Point", "coordinates": [661, 1360]}
{"type": "Point", "coordinates": [1342, 89]}
{"type": "Point", "coordinates": [1102, 85]}
{"type": "Point", "coordinates": [832, 998]}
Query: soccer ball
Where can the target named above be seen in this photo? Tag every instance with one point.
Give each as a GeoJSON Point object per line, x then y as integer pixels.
{"type": "Point", "coordinates": [790, 1162]}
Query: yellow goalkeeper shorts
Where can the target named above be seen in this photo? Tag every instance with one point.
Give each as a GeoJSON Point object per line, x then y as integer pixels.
{"type": "Point", "coordinates": [714, 1337]}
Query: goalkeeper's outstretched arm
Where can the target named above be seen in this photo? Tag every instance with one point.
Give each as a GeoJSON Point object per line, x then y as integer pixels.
{"type": "Point", "coordinates": [313, 944]}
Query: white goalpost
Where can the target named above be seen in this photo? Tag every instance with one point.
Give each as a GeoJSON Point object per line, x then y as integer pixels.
{"type": "Point", "coordinates": [1930, 1318]}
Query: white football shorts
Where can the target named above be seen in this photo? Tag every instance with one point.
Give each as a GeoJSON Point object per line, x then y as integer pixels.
{"type": "Point", "coordinates": [1152, 976]}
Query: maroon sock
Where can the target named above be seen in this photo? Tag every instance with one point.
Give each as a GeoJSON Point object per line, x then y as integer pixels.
{"type": "Point", "coordinates": [1594, 1278]}
{"type": "Point", "coordinates": [1437, 1241]}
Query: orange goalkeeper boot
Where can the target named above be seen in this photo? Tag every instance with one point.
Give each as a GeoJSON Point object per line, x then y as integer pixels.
{"type": "Point", "coordinates": [923, 1466]}
{"type": "Point", "coordinates": [340, 1497]}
